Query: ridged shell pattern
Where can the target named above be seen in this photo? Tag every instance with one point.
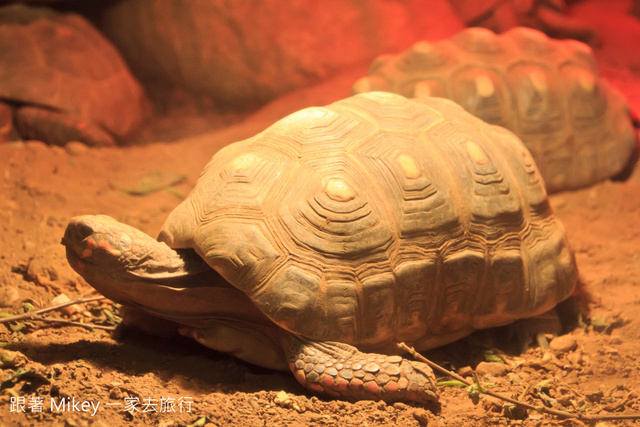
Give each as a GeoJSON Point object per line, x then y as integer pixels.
{"type": "Point", "coordinates": [380, 219]}
{"type": "Point", "coordinates": [576, 126]}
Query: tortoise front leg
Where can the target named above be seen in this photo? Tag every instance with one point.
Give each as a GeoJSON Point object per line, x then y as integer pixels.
{"type": "Point", "coordinates": [341, 370]}
{"type": "Point", "coordinates": [250, 343]}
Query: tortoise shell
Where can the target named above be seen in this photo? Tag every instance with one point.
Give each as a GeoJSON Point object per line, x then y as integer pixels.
{"type": "Point", "coordinates": [379, 219]}
{"type": "Point", "coordinates": [548, 92]}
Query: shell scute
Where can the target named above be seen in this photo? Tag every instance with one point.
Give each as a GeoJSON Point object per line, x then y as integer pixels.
{"type": "Point", "coordinates": [416, 280]}
{"type": "Point", "coordinates": [335, 227]}
{"type": "Point", "coordinates": [461, 275]}
{"type": "Point", "coordinates": [481, 91]}
{"type": "Point", "coordinates": [342, 306]}
{"type": "Point", "coordinates": [292, 298]}
{"type": "Point", "coordinates": [241, 249]}
{"type": "Point", "coordinates": [538, 104]}
{"type": "Point", "coordinates": [379, 306]}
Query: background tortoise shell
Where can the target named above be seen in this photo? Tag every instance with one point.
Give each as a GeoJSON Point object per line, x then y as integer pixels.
{"type": "Point", "coordinates": [379, 219]}
{"type": "Point", "coordinates": [576, 126]}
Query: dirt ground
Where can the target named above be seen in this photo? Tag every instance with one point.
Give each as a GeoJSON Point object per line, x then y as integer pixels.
{"type": "Point", "coordinates": [594, 370]}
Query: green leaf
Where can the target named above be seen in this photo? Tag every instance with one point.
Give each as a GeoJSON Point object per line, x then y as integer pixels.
{"type": "Point", "coordinates": [513, 411]}
{"type": "Point", "coordinates": [17, 327]}
{"type": "Point", "coordinates": [175, 192]}
{"type": "Point", "coordinates": [474, 394]}
{"type": "Point", "coordinates": [451, 384]}
{"type": "Point", "coordinates": [154, 181]}
{"type": "Point", "coordinates": [490, 357]}
{"type": "Point", "coordinates": [544, 386]}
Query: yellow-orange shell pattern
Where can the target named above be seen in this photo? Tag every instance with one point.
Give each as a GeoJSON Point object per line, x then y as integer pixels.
{"type": "Point", "coordinates": [548, 92]}
{"type": "Point", "coordinates": [379, 219]}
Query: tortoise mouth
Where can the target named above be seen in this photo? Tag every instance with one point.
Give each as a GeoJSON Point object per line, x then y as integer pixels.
{"type": "Point", "coordinates": [74, 235]}
{"type": "Point", "coordinates": [86, 233]}
{"type": "Point", "coordinates": [74, 259]}
{"type": "Point", "coordinates": [75, 240]}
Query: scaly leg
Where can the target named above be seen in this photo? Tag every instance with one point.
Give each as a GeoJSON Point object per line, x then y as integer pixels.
{"type": "Point", "coordinates": [341, 370]}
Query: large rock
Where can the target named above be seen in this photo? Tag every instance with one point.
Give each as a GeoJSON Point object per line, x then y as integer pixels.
{"type": "Point", "coordinates": [72, 79]}
{"type": "Point", "coordinates": [548, 16]}
{"type": "Point", "coordinates": [241, 54]}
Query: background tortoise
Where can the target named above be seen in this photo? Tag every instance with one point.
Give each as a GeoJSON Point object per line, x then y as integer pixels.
{"type": "Point", "coordinates": [66, 81]}
{"type": "Point", "coordinates": [576, 126]}
{"type": "Point", "coordinates": [374, 220]}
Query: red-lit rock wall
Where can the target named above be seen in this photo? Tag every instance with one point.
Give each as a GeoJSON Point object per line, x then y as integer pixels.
{"type": "Point", "coordinates": [241, 54]}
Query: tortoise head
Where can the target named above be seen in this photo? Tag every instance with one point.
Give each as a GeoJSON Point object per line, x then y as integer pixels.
{"type": "Point", "coordinates": [132, 268]}
{"type": "Point", "coordinates": [121, 262]}
{"type": "Point", "coordinates": [100, 242]}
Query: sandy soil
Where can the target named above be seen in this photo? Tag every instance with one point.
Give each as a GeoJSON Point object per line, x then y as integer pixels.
{"type": "Point", "coordinates": [42, 187]}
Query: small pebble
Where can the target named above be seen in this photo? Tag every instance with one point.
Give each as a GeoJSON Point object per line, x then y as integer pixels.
{"type": "Point", "coordinates": [563, 344]}
{"type": "Point", "coordinates": [400, 406]}
{"type": "Point", "coordinates": [69, 310]}
{"type": "Point", "coordinates": [8, 296]}
{"type": "Point", "coordinates": [514, 378]}
{"type": "Point", "coordinates": [35, 145]}
{"type": "Point", "coordinates": [491, 368]}
{"type": "Point", "coordinates": [421, 416]}
{"type": "Point", "coordinates": [612, 351]}
{"type": "Point", "coordinates": [575, 358]}
{"type": "Point", "coordinates": [18, 145]}
{"type": "Point", "coordinates": [595, 397]}
{"type": "Point", "coordinates": [492, 404]}
{"type": "Point", "coordinates": [56, 149]}
{"type": "Point", "coordinates": [115, 393]}
{"type": "Point", "coordinates": [58, 368]}
{"type": "Point", "coordinates": [75, 147]}
{"type": "Point", "coordinates": [12, 359]}
{"type": "Point", "coordinates": [465, 371]}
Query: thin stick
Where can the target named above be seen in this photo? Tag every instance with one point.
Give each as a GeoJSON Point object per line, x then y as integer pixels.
{"type": "Point", "coordinates": [540, 408]}
{"type": "Point", "coordinates": [72, 323]}
{"type": "Point", "coordinates": [31, 314]}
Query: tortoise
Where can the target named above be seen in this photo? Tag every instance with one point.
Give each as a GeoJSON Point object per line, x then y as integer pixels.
{"type": "Point", "coordinates": [64, 79]}
{"type": "Point", "coordinates": [577, 127]}
{"type": "Point", "coordinates": [339, 231]}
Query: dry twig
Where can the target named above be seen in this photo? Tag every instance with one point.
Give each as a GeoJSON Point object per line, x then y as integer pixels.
{"type": "Point", "coordinates": [35, 313]}
{"type": "Point", "coordinates": [541, 408]}
{"type": "Point", "coordinates": [72, 323]}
